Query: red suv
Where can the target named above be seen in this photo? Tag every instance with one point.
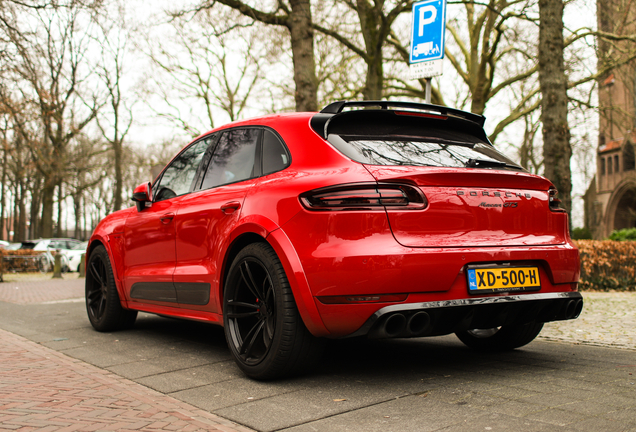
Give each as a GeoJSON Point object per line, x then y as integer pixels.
{"type": "Point", "coordinates": [377, 219]}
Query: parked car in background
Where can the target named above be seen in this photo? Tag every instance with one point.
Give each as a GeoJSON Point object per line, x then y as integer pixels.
{"type": "Point", "coordinates": [75, 255]}
{"type": "Point", "coordinates": [64, 245]}
{"type": "Point", "coordinates": [369, 219]}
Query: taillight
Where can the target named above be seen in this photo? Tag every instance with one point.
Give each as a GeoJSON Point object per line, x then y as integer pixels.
{"type": "Point", "coordinates": [365, 196]}
{"type": "Point", "coordinates": [553, 201]}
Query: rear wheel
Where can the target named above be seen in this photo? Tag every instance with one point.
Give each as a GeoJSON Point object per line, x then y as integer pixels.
{"type": "Point", "coordinates": [263, 328]}
{"type": "Point", "coordinates": [102, 300]}
{"type": "Point", "coordinates": [501, 338]}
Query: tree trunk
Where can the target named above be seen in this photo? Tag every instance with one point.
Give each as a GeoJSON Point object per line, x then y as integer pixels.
{"type": "Point", "coordinates": [60, 199]}
{"type": "Point", "coordinates": [16, 209]}
{"type": "Point", "coordinates": [3, 199]}
{"type": "Point", "coordinates": [22, 215]}
{"type": "Point", "coordinates": [302, 43]}
{"type": "Point", "coordinates": [77, 207]}
{"type": "Point", "coordinates": [46, 223]}
{"type": "Point", "coordinates": [554, 109]}
{"type": "Point", "coordinates": [373, 33]}
{"type": "Point", "coordinates": [375, 80]}
{"type": "Point", "coordinates": [299, 23]}
{"type": "Point", "coordinates": [36, 201]}
{"type": "Point", "coordinates": [119, 176]}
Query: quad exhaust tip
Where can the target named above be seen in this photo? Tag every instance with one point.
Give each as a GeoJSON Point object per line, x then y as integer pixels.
{"type": "Point", "coordinates": [572, 309]}
{"type": "Point", "coordinates": [399, 325]}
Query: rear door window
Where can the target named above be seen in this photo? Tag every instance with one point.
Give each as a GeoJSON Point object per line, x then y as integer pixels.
{"type": "Point", "coordinates": [234, 157]}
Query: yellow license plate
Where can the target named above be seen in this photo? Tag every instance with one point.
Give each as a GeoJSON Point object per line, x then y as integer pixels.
{"type": "Point", "coordinates": [498, 279]}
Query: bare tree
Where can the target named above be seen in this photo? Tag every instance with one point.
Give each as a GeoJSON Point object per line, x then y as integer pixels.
{"type": "Point", "coordinates": [115, 122]}
{"type": "Point", "coordinates": [206, 68]}
{"type": "Point", "coordinates": [375, 19]}
{"type": "Point", "coordinates": [296, 17]}
{"type": "Point", "coordinates": [47, 66]}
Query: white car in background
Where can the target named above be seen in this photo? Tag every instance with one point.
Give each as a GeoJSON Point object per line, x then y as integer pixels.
{"type": "Point", "coordinates": [75, 256]}
{"type": "Point", "coordinates": [64, 245]}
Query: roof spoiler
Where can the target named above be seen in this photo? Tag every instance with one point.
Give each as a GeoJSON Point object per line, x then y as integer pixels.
{"type": "Point", "coordinates": [337, 107]}
{"type": "Point", "coordinates": [320, 121]}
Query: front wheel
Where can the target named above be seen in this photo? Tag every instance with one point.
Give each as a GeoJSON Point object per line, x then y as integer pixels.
{"type": "Point", "coordinates": [503, 338]}
{"type": "Point", "coordinates": [263, 328]}
{"type": "Point", "coordinates": [102, 300]}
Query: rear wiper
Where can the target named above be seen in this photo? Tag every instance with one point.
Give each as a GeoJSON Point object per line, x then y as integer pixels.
{"type": "Point", "coordinates": [485, 163]}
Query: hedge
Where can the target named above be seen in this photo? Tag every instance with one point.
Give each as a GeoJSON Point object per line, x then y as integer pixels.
{"type": "Point", "coordinates": [17, 265]}
{"type": "Point", "coordinates": [607, 265]}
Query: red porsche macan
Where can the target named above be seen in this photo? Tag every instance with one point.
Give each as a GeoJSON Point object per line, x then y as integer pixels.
{"type": "Point", "coordinates": [368, 219]}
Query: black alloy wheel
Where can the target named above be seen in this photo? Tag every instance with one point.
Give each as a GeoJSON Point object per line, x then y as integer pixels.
{"type": "Point", "coordinates": [263, 328]}
{"type": "Point", "coordinates": [251, 313]}
{"type": "Point", "coordinates": [102, 300]}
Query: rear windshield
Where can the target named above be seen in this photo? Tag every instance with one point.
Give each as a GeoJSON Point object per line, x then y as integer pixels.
{"type": "Point", "coordinates": [413, 151]}
{"type": "Point", "coordinates": [380, 137]}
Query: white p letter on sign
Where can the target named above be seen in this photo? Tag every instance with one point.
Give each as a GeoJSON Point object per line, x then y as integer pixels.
{"type": "Point", "coordinates": [429, 20]}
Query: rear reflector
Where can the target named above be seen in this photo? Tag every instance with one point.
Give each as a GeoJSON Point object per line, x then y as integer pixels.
{"type": "Point", "coordinates": [365, 196]}
{"type": "Point", "coordinates": [380, 298]}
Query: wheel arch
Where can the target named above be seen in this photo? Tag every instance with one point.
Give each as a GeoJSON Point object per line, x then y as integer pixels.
{"type": "Point", "coordinates": [93, 244]}
{"type": "Point", "coordinates": [285, 251]}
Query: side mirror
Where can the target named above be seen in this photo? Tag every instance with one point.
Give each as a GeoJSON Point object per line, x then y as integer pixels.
{"type": "Point", "coordinates": [142, 196]}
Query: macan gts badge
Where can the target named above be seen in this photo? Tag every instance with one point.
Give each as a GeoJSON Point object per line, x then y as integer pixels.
{"type": "Point", "coordinates": [371, 219]}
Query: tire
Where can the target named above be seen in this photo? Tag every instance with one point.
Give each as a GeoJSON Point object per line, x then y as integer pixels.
{"type": "Point", "coordinates": [102, 300]}
{"type": "Point", "coordinates": [503, 338]}
{"type": "Point", "coordinates": [263, 328]}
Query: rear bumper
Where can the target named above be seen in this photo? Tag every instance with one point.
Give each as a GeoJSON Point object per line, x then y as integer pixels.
{"type": "Point", "coordinates": [355, 255]}
{"type": "Point", "coordinates": [449, 316]}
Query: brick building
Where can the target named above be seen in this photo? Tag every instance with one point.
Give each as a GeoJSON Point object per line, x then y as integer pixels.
{"type": "Point", "coordinates": [610, 201]}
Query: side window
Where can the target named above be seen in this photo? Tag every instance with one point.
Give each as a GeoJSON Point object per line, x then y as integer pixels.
{"type": "Point", "coordinates": [233, 158]}
{"type": "Point", "coordinates": [179, 177]}
{"type": "Point", "coordinates": [275, 157]}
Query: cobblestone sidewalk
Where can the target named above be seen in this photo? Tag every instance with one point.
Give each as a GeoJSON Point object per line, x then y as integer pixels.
{"type": "Point", "coordinates": [41, 389]}
{"type": "Point", "coordinates": [608, 319]}
{"type": "Point", "coordinates": [41, 290]}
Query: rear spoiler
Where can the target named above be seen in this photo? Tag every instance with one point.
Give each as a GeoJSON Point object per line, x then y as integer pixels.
{"type": "Point", "coordinates": [320, 121]}
{"type": "Point", "coordinates": [337, 107]}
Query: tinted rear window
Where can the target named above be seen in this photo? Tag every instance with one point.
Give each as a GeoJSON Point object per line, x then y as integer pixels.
{"type": "Point", "coordinates": [410, 151]}
{"type": "Point", "coordinates": [385, 138]}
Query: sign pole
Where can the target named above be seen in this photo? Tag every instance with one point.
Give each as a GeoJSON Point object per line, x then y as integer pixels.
{"type": "Point", "coordinates": [428, 90]}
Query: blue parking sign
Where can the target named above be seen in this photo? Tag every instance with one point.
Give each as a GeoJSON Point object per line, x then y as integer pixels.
{"type": "Point", "coordinates": [427, 34]}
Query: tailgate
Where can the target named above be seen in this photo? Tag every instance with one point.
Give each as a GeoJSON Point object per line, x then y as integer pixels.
{"type": "Point", "coordinates": [474, 207]}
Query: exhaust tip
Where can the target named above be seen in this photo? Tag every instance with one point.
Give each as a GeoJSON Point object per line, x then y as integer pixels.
{"type": "Point", "coordinates": [578, 308]}
{"type": "Point", "coordinates": [569, 309]}
{"type": "Point", "coordinates": [394, 325]}
{"type": "Point", "coordinates": [418, 323]}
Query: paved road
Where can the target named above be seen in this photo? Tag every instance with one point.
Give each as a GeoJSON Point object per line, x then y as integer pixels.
{"type": "Point", "coordinates": [430, 384]}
